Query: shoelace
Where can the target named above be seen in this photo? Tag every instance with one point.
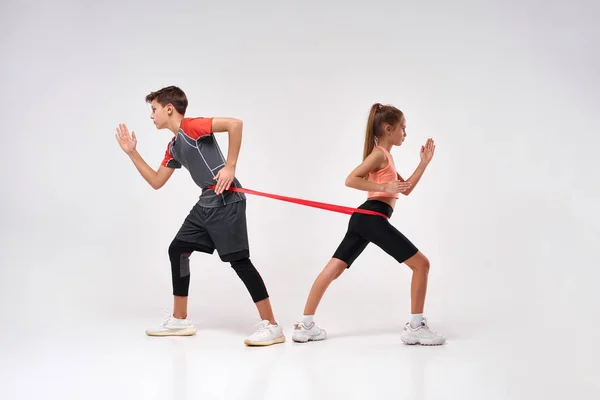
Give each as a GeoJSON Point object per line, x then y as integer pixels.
{"type": "Point", "coordinates": [424, 324]}
{"type": "Point", "coordinates": [166, 318]}
{"type": "Point", "coordinates": [263, 326]}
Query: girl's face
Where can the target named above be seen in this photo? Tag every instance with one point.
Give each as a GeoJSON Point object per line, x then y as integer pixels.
{"type": "Point", "coordinates": [397, 133]}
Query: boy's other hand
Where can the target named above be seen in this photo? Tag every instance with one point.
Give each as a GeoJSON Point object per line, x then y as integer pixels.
{"type": "Point", "coordinates": [224, 178]}
{"type": "Point", "coordinates": [126, 141]}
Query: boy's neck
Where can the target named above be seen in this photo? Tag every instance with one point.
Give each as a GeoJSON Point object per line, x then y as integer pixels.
{"type": "Point", "coordinates": [175, 123]}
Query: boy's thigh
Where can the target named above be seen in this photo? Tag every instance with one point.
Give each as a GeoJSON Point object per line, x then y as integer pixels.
{"type": "Point", "coordinates": [228, 229]}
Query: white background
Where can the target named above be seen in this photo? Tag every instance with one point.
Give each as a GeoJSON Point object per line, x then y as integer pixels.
{"type": "Point", "coordinates": [507, 211]}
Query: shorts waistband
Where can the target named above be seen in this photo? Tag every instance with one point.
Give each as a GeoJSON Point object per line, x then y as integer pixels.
{"type": "Point", "coordinates": [377, 205]}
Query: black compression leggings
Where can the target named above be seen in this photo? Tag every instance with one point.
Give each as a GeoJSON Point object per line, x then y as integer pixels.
{"type": "Point", "coordinates": [179, 254]}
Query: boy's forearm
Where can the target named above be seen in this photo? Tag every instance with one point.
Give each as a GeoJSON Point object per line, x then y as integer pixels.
{"type": "Point", "coordinates": [143, 168]}
{"type": "Point", "coordinates": [235, 143]}
{"type": "Point", "coordinates": [416, 177]}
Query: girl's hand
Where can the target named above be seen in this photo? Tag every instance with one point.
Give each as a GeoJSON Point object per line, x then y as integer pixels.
{"type": "Point", "coordinates": [396, 187]}
{"type": "Point", "coordinates": [427, 151]}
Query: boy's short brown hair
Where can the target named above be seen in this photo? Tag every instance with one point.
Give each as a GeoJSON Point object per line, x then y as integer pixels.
{"type": "Point", "coordinates": [170, 95]}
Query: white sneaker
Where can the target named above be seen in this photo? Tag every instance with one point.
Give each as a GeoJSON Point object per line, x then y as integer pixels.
{"type": "Point", "coordinates": [303, 333]}
{"type": "Point", "coordinates": [421, 335]}
{"type": "Point", "coordinates": [266, 335]}
{"type": "Point", "coordinates": [172, 326]}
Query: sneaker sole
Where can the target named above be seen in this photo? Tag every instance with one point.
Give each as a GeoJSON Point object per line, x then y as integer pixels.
{"type": "Point", "coordinates": [425, 343]}
{"type": "Point", "coordinates": [305, 339]}
{"type": "Point", "coordinates": [174, 332]}
{"type": "Point", "coordinates": [280, 339]}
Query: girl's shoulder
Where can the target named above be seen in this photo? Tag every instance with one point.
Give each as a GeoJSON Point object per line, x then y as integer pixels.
{"type": "Point", "coordinates": [383, 157]}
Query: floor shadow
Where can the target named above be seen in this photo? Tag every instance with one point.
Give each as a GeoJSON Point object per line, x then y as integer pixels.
{"type": "Point", "coordinates": [365, 332]}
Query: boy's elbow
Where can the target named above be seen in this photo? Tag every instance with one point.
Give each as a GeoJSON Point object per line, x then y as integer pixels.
{"type": "Point", "coordinates": [156, 185]}
{"type": "Point", "coordinates": [348, 182]}
{"type": "Point", "coordinates": [236, 123]}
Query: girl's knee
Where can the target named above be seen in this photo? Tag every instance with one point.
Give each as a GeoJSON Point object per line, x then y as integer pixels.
{"type": "Point", "coordinates": [338, 273]}
{"type": "Point", "coordinates": [425, 264]}
{"type": "Point", "coordinates": [335, 268]}
{"type": "Point", "coordinates": [418, 262]}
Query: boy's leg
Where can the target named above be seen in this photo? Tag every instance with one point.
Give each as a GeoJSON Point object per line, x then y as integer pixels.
{"type": "Point", "coordinates": [179, 256]}
{"type": "Point", "coordinates": [228, 230]}
{"type": "Point", "coordinates": [192, 236]}
{"type": "Point", "coordinates": [245, 270]}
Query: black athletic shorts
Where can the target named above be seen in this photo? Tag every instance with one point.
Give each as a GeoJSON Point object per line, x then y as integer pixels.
{"type": "Point", "coordinates": [364, 229]}
{"type": "Point", "coordinates": [222, 228]}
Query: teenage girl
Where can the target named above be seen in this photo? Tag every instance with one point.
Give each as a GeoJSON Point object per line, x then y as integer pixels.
{"type": "Point", "coordinates": [377, 175]}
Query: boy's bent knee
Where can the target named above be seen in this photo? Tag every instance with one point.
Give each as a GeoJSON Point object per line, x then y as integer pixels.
{"type": "Point", "coordinates": [251, 278]}
{"type": "Point", "coordinates": [179, 255]}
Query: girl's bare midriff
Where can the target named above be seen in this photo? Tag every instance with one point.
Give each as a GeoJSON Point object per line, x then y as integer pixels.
{"type": "Point", "coordinates": [388, 200]}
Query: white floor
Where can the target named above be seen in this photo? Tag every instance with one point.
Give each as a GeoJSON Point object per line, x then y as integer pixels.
{"type": "Point", "coordinates": [117, 361]}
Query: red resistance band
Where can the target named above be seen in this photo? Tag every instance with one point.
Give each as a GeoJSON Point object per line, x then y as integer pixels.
{"type": "Point", "coordinates": [309, 203]}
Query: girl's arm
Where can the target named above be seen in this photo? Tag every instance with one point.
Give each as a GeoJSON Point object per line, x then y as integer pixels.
{"type": "Point", "coordinates": [358, 178]}
{"type": "Point", "coordinates": [426, 155]}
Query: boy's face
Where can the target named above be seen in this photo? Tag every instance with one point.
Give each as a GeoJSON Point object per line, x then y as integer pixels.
{"type": "Point", "coordinates": [160, 114]}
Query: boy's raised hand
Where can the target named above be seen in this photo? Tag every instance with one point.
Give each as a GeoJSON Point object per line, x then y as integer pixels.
{"type": "Point", "coordinates": [126, 141]}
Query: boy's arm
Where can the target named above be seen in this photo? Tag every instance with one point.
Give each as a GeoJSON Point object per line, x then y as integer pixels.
{"type": "Point", "coordinates": [426, 155]}
{"type": "Point", "coordinates": [356, 179]}
{"type": "Point", "coordinates": [128, 142]}
{"type": "Point", "coordinates": [156, 179]}
{"type": "Point", "coordinates": [233, 127]}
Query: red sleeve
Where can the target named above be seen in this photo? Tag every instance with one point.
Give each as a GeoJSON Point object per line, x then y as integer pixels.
{"type": "Point", "coordinates": [169, 161]}
{"type": "Point", "coordinates": [197, 127]}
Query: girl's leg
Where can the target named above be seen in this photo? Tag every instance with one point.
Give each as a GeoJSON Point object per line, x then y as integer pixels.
{"type": "Point", "coordinates": [349, 249]}
{"type": "Point", "coordinates": [398, 246]}
{"type": "Point", "coordinates": [418, 288]}
{"type": "Point", "coordinates": [306, 330]}
{"type": "Point", "coordinates": [393, 242]}
{"type": "Point", "coordinates": [417, 331]}
{"type": "Point", "coordinates": [332, 271]}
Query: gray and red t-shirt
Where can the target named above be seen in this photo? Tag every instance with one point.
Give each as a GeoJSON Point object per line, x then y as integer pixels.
{"type": "Point", "coordinates": [196, 148]}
